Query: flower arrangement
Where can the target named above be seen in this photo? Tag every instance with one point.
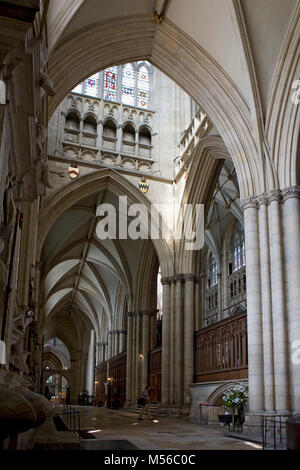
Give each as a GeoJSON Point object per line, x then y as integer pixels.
{"type": "Point", "coordinates": [236, 397]}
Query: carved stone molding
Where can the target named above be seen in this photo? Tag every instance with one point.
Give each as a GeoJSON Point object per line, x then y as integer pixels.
{"type": "Point", "coordinates": [275, 196]}
{"type": "Point", "coordinates": [263, 199]}
{"type": "Point", "coordinates": [267, 198]}
{"type": "Point", "coordinates": [250, 203]}
{"type": "Point", "coordinates": [189, 277]}
{"type": "Point", "coordinates": [293, 191]}
{"type": "Point", "coordinates": [166, 281]}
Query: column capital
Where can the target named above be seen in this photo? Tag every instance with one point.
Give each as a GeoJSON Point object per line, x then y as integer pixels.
{"type": "Point", "coordinates": [200, 277]}
{"type": "Point", "coordinates": [291, 192]}
{"type": "Point", "coordinates": [278, 195]}
{"type": "Point", "coordinates": [165, 281]}
{"type": "Point", "coordinates": [250, 202]}
{"type": "Point", "coordinates": [150, 312]}
{"type": "Point", "coordinates": [180, 277]}
{"type": "Point", "coordinates": [153, 312]}
{"type": "Point", "coordinates": [189, 277]}
{"type": "Point", "coordinates": [263, 199]}
{"type": "Point", "coordinates": [275, 195]}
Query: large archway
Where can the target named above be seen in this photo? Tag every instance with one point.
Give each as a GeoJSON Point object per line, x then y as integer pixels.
{"type": "Point", "coordinates": [90, 185]}
{"type": "Point", "coordinates": [171, 51]}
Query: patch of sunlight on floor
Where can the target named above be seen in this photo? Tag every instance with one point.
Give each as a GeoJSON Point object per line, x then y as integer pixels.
{"type": "Point", "coordinates": [252, 444]}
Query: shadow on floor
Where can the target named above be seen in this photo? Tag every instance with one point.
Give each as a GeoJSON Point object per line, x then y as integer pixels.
{"type": "Point", "coordinates": [108, 445]}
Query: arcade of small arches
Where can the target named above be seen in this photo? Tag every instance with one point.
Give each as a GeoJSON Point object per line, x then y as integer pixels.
{"type": "Point", "coordinates": [166, 107]}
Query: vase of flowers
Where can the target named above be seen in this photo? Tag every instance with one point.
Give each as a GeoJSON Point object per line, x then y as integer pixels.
{"type": "Point", "coordinates": [235, 398]}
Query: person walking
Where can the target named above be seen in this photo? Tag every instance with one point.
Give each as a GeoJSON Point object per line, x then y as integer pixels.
{"type": "Point", "coordinates": [144, 401]}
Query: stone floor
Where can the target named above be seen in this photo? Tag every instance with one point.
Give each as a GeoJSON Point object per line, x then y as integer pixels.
{"type": "Point", "coordinates": [119, 430]}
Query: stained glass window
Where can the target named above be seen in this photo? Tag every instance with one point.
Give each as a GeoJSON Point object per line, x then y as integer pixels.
{"type": "Point", "coordinates": [91, 85]}
{"type": "Point", "coordinates": [128, 85]}
{"type": "Point", "coordinates": [110, 83]}
{"type": "Point", "coordinates": [134, 90]}
{"type": "Point", "coordinates": [238, 248]}
{"type": "Point", "coordinates": [213, 271]}
{"type": "Point", "coordinates": [143, 88]}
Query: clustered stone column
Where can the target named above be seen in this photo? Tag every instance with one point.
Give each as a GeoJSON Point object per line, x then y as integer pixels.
{"type": "Point", "coordinates": [116, 344]}
{"type": "Point", "coordinates": [122, 341]}
{"type": "Point", "coordinates": [188, 338]}
{"type": "Point", "coordinates": [129, 387]}
{"type": "Point", "coordinates": [178, 340]}
{"type": "Point", "coordinates": [138, 348]}
{"type": "Point", "coordinates": [101, 352]}
{"type": "Point", "coordinates": [166, 307]}
{"type": "Point", "coordinates": [91, 365]}
{"type": "Point", "coordinates": [109, 344]}
{"type": "Point", "coordinates": [272, 231]}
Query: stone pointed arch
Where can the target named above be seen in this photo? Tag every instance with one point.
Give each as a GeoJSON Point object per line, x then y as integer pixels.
{"type": "Point", "coordinates": [145, 291]}
{"type": "Point", "coordinates": [178, 56]}
{"type": "Point", "coordinates": [59, 15]}
{"type": "Point", "coordinates": [219, 392]}
{"type": "Point", "coordinates": [90, 184]}
{"type": "Point", "coordinates": [199, 189]}
{"type": "Point", "coordinates": [283, 114]}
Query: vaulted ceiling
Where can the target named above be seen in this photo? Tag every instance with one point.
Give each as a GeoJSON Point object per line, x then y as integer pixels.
{"type": "Point", "coordinates": [225, 204]}
{"type": "Point", "coordinates": [215, 25]}
{"type": "Point", "coordinates": [84, 274]}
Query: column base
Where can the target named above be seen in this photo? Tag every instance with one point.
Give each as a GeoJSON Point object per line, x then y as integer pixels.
{"type": "Point", "coordinates": [253, 421]}
{"type": "Point", "coordinates": [128, 404]}
{"type": "Point", "coordinates": [173, 410]}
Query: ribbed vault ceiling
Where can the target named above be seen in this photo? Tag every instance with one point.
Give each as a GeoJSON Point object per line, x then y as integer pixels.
{"type": "Point", "coordinates": [83, 273]}
{"type": "Point", "coordinates": [225, 203]}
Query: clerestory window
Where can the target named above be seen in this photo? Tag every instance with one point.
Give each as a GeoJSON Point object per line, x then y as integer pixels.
{"type": "Point", "coordinates": [128, 84]}
{"type": "Point", "coordinates": [238, 248]}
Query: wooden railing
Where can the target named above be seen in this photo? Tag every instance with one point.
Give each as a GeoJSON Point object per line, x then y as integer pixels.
{"type": "Point", "coordinates": [221, 351]}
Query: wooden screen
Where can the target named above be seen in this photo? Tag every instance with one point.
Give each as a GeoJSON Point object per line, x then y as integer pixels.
{"type": "Point", "coordinates": [117, 371]}
{"type": "Point", "coordinates": [221, 351]}
{"type": "Point", "coordinates": [113, 394]}
{"type": "Point", "coordinates": [101, 378]}
{"type": "Point", "coordinates": [155, 375]}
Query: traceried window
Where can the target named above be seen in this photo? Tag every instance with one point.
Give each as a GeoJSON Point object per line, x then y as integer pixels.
{"type": "Point", "coordinates": [212, 272]}
{"type": "Point", "coordinates": [91, 85]}
{"type": "Point", "coordinates": [128, 85]}
{"type": "Point", "coordinates": [238, 248]}
{"type": "Point", "coordinates": [110, 84]}
{"type": "Point", "coordinates": [143, 88]}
